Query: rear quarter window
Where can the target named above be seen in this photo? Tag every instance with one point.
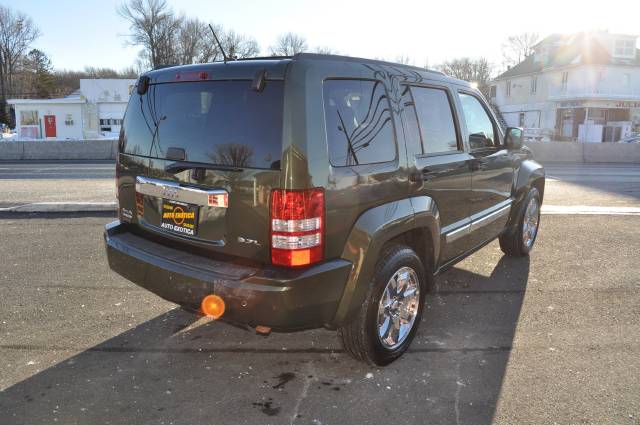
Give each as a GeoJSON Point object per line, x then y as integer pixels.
{"type": "Point", "coordinates": [358, 121]}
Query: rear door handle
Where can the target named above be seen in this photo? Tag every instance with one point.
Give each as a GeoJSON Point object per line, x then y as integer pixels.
{"type": "Point", "coordinates": [422, 175]}
{"type": "Point", "coordinates": [478, 164]}
{"type": "Point", "coordinates": [428, 174]}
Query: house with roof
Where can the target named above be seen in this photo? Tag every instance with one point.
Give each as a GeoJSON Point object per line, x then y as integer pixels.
{"type": "Point", "coordinates": [95, 110]}
{"type": "Point", "coordinates": [581, 87]}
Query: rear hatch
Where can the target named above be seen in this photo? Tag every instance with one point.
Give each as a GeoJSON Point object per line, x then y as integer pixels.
{"type": "Point", "coordinates": [199, 157]}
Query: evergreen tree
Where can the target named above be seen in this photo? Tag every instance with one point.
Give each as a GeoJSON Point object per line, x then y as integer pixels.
{"type": "Point", "coordinates": [39, 64]}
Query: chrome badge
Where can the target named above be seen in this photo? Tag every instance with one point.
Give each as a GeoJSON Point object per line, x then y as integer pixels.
{"type": "Point", "coordinates": [249, 241]}
{"type": "Point", "coordinates": [170, 193]}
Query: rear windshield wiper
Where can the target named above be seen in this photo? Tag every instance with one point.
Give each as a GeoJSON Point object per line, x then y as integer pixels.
{"type": "Point", "coordinates": [178, 166]}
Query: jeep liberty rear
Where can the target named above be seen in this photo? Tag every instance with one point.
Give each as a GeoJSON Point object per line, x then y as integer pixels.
{"type": "Point", "coordinates": [294, 193]}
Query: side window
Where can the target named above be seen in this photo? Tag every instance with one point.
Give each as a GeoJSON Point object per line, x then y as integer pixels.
{"type": "Point", "coordinates": [410, 121]}
{"type": "Point", "coordinates": [480, 127]}
{"type": "Point", "coordinates": [435, 118]}
{"type": "Point", "coordinates": [358, 118]}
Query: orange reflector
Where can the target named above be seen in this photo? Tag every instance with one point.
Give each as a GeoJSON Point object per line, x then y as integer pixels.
{"type": "Point", "coordinates": [300, 257]}
{"type": "Point", "coordinates": [212, 306]}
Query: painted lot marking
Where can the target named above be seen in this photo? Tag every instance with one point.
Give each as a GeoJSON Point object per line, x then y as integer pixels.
{"type": "Point", "coordinates": [589, 210]}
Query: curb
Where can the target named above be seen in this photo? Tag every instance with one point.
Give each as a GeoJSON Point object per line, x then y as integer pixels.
{"type": "Point", "coordinates": [46, 207]}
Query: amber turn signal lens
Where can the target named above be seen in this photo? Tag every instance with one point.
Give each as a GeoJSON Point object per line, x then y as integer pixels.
{"type": "Point", "coordinates": [212, 306]}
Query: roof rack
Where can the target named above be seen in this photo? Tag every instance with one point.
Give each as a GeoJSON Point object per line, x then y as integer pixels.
{"type": "Point", "coordinates": [357, 59]}
{"type": "Point", "coordinates": [265, 58]}
{"type": "Point", "coordinates": [167, 65]}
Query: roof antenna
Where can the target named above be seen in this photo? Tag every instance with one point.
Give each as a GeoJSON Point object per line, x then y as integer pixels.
{"type": "Point", "coordinates": [224, 55]}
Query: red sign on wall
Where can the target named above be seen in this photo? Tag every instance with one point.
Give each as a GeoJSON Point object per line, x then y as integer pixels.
{"type": "Point", "coordinates": [50, 126]}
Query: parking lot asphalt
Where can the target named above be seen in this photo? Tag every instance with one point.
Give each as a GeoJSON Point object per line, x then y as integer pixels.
{"type": "Point", "coordinates": [554, 338]}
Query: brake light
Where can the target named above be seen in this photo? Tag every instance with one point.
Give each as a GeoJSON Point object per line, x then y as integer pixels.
{"type": "Point", "coordinates": [191, 76]}
{"type": "Point", "coordinates": [297, 227]}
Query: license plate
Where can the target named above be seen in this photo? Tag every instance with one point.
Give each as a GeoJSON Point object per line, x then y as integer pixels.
{"type": "Point", "coordinates": [178, 217]}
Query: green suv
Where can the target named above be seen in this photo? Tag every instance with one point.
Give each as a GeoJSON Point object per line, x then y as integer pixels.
{"type": "Point", "coordinates": [314, 191]}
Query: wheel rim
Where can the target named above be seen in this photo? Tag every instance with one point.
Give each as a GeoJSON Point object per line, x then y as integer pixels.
{"type": "Point", "coordinates": [398, 308]}
{"type": "Point", "coordinates": [530, 223]}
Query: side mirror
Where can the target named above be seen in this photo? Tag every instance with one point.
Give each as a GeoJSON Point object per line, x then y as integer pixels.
{"type": "Point", "coordinates": [514, 138]}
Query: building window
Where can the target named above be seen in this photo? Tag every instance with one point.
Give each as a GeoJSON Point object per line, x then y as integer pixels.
{"type": "Point", "coordinates": [534, 84]}
{"type": "Point", "coordinates": [521, 119]}
{"type": "Point", "coordinates": [508, 88]}
{"type": "Point", "coordinates": [68, 119]}
{"type": "Point", "coordinates": [565, 80]}
{"type": "Point", "coordinates": [110, 121]}
{"type": "Point", "coordinates": [29, 118]}
{"type": "Point", "coordinates": [624, 48]}
{"type": "Point", "coordinates": [493, 91]}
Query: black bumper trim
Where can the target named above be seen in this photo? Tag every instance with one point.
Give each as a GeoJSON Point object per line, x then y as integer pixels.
{"type": "Point", "coordinates": [283, 299]}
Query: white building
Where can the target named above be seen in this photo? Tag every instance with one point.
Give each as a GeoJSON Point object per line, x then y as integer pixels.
{"type": "Point", "coordinates": [583, 87]}
{"type": "Point", "coordinates": [95, 110]}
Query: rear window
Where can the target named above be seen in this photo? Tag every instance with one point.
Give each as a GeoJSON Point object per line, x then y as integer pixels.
{"type": "Point", "coordinates": [217, 122]}
{"type": "Point", "coordinates": [359, 126]}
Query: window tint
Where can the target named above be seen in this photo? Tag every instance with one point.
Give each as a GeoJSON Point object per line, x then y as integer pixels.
{"type": "Point", "coordinates": [410, 121]}
{"type": "Point", "coordinates": [219, 122]}
{"type": "Point", "coordinates": [358, 118]}
{"type": "Point", "coordinates": [479, 125]}
{"type": "Point", "coordinates": [435, 117]}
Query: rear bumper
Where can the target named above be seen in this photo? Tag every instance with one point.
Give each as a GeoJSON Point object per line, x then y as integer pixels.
{"type": "Point", "coordinates": [283, 299]}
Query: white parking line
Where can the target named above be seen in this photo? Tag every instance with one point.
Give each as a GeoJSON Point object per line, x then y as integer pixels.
{"type": "Point", "coordinates": [590, 210]}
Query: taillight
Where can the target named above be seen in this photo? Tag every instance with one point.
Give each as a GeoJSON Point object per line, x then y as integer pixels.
{"type": "Point", "coordinates": [297, 227]}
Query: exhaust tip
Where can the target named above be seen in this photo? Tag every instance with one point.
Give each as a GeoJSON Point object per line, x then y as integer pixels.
{"type": "Point", "coordinates": [212, 306]}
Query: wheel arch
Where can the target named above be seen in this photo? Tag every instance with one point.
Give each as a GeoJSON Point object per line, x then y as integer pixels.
{"type": "Point", "coordinates": [414, 222]}
{"type": "Point", "coordinates": [530, 174]}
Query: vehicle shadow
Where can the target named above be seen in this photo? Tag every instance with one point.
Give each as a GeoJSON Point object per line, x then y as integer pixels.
{"type": "Point", "coordinates": [172, 370]}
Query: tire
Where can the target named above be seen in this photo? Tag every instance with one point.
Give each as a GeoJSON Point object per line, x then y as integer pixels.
{"type": "Point", "coordinates": [360, 337]}
{"type": "Point", "coordinates": [514, 243]}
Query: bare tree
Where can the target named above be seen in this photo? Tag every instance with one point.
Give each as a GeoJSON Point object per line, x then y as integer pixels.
{"type": "Point", "coordinates": [288, 45]}
{"type": "Point", "coordinates": [17, 32]}
{"type": "Point", "coordinates": [190, 40]}
{"type": "Point", "coordinates": [473, 70]}
{"type": "Point", "coordinates": [324, 50]}
{"type": "Point", "coordinates": [517, 47]}
{"type": "Point", "coordinates": [239, 45]}
{"type": "Point", "coordinates": [403, 59]}
{"type": "Point", "coordinates": [66, 81]}
{"type": "Point", "coordinates": [209, 50]}
{"type": "Point", "coordinates": [233, 154]}
{"type": "Point", "coordinates": [153, 26]}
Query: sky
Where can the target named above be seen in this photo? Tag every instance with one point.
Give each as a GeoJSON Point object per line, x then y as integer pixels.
{"type": "Point", "coordinates": [83, 33]}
